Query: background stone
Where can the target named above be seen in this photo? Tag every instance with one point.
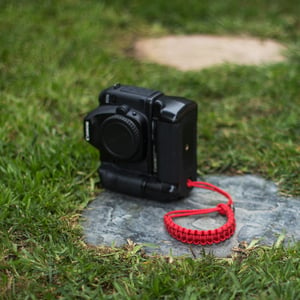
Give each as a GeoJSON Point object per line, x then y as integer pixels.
{"type": "Point", "coordinates": [194, 52]}
{"type": "Point", "coordinates": [261, 213]}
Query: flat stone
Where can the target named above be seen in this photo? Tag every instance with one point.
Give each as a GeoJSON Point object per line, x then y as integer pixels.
{"type": "Point", "coordinates": [194, 52]}
{"type": "Point", "coordinates": [261, 213]}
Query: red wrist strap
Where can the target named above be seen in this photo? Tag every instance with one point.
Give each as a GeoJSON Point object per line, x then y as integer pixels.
{"type": "Point", "coordinates": [203, 237]}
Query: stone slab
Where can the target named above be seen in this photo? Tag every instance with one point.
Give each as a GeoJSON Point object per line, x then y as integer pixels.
{"type": "Point", "coordinates": [261, 213]}
{"type": "Point", "coordinates": [195, 52]}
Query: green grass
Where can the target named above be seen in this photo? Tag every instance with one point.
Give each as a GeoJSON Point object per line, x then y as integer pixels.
{"type": "Point", "coordinates": [55, 56]}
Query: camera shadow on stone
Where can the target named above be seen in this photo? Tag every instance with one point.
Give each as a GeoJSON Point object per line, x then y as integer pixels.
{"type": "Point", "coordinates": [261, 213]}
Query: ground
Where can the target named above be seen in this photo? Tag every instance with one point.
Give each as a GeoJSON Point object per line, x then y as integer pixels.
{"type": "Point", "coordinates": [55, 57]}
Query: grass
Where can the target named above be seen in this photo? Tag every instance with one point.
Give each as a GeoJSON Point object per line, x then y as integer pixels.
{"type": "Point", "coordinates": [55, 57]}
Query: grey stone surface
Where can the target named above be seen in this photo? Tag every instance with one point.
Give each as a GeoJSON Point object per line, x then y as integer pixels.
{"type": "Point", "coordinates": [261, 213]}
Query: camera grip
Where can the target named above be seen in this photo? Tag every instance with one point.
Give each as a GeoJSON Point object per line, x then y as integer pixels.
{"type": "Point", "coordinates": [119, 181]}
{"type": "Point", "coordinates": [176, 152]}
{"type": "Point", "coordinates": [136, 185]}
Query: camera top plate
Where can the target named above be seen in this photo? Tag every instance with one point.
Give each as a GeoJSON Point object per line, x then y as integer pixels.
{"type": "Point", "coordinates": [137, 98]}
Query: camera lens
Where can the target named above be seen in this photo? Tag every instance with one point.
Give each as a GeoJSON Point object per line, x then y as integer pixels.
{"type": "Point", "coordinates": [120, 137]}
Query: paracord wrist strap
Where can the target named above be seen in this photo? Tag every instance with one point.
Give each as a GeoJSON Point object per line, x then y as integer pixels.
{"type": "Point", "coordinates": [203, 237]}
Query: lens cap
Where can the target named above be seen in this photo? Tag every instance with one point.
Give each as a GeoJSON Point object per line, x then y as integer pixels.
{"type": "Point", "coordinates": [120, 137]}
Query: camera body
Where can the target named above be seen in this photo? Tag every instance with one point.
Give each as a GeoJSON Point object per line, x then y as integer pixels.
{"type": "Point", "coordinates": [147, 142]}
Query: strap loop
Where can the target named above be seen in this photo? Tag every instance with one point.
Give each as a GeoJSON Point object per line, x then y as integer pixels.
{"type": "Point", "coordinates": [203, 237]}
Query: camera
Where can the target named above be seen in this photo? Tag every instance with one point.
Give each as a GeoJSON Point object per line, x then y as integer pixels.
{"type": "Point", "coordinates": [147, 142]}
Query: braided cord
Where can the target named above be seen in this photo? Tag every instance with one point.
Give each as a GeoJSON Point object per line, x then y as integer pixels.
{"type": "Point", "coordinates": [203, 237]}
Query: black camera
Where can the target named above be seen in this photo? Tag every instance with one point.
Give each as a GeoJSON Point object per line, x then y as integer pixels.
{"type": "Point", "coordinates": [147, 142]}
